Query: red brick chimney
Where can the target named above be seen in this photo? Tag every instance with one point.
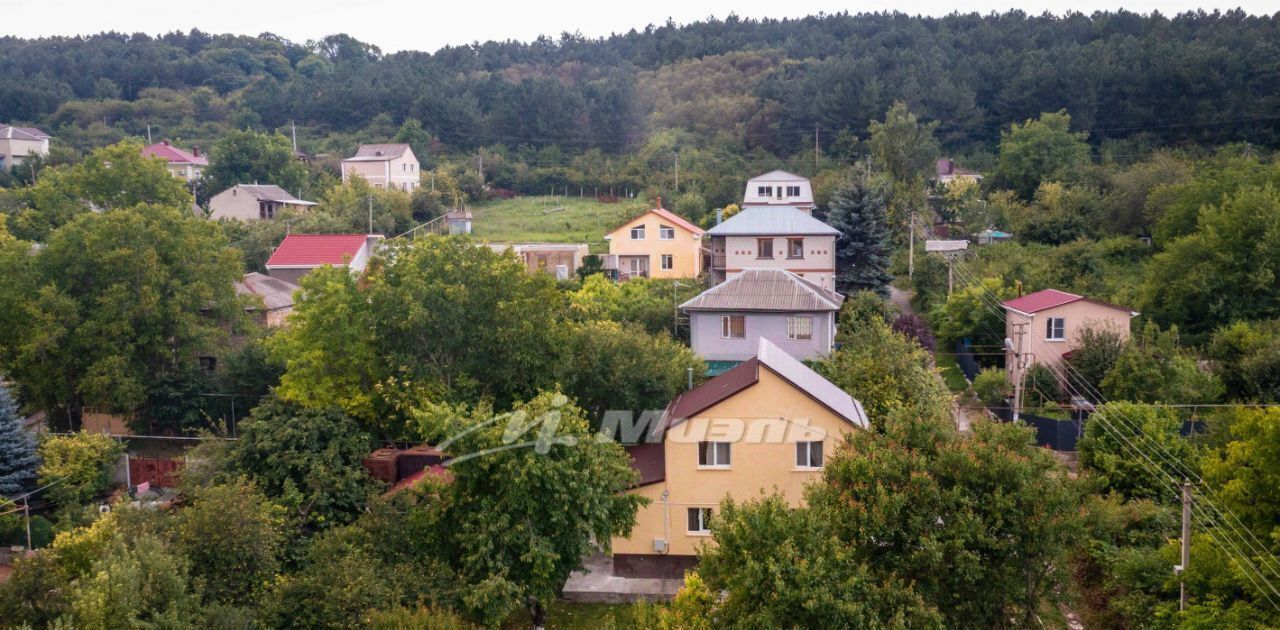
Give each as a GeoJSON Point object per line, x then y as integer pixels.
{"type": "Point", "coordinates": [195, 150]}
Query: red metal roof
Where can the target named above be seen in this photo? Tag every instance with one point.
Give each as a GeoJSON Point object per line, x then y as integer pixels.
{"type": "Point", "coordinates": [174, 155]}
{"type": "Point", "coordinates": [1052, 298]}
{"type": "Point", "coordinates": [314, 250]}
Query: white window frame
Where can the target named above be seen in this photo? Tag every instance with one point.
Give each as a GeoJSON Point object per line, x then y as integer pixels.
{"type": "Point", "coordinates": [764, 191]}
{"type": "Point", "coordinates": [637, 229]}
{"type": "Point", "coordinates": [666, 262]}
{"type": "Point", "coordinates": [698, 521]}
{"type": "Point", "coordinates": [805, 455]}
{"type": "Point", "coordinates": [1055, 329]}
{"type": "Point", "coordinates": [793, 191]}
{"type": "Point", "coordinates": [726, 326]}
{"type": "Point", "coordinates": [760, 246]}
{"type": "Point", "coordinates": [666, 232]}
{"type": "Point", "coordinates": [794, 327]}
{"type": "Point", "coordinates": [715, 454]}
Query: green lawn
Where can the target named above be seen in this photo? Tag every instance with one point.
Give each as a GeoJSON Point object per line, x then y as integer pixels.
{"type": "Point", "coordinates": [951, 373]}
{"type": "Point", "coordinates": [551, 219]}
{"type": "Point", "coordinates": [567, 616]}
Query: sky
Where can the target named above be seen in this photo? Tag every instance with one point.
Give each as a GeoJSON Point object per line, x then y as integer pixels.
{"type": "Point", "coordinates": [395, 25]}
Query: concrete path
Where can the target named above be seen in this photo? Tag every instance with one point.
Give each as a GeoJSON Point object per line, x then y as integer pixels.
{"type": "Point", "coordinates": [597, 584]}
{"type": "Point", "coordinates": [901, 299]}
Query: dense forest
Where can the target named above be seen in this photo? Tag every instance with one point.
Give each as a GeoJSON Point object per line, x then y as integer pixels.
{"type": "Point", "coordinates": [739, 85]}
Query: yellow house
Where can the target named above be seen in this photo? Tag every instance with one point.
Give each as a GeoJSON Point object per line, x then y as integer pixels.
{"type": "Point", "coordinates": [766, 425]}
{"type": "Point", "coordinates": [656, 244]}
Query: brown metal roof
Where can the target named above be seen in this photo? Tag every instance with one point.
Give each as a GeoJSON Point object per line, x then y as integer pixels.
{"type": "Point", "coordinates": [650, 460]}
{"type": "Point", "coordinates": [712, 392]}
{"type": "Point", "coordinates": [765, 290]}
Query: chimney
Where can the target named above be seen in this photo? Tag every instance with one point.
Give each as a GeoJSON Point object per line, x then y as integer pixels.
{"type": "Point", "coordinates": [164, 142]}
{"type": "Point", "coordinates": [195, 151]}
{"type": "Point", "coordinates": [719, 216]}
{"type": "Point", "coordinates": [660, 202]}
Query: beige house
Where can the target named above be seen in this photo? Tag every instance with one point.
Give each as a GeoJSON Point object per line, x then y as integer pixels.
{"type": "Point", "coordinates": [253, 202]}
{"type": "Point", "coordinates": [656, 244]}
{"type": "Point", "coordinates": [188, 165]}
{"type": "Point", "coordinates": [767, 425]}
{"type": "Point", "coordinates": [271, 299]}
{"type": "Point", "coordinates": [1044, 327]}
{"type": "Point", "coordinates": [559, 259]}
{"type": "Point", "coordinates": [384, 166]}
{"type": "Point", "coordinates": [779, 189]}
{"type": "Point", "coordinates": [782, 237]}
{"type": "Point", "coordinates": [19, 143]}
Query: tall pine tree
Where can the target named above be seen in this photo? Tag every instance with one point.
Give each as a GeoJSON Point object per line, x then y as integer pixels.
{"type": "Point", "coordinates": [18, 459]}
{"type": "Point", "coordinates": [863, 250]}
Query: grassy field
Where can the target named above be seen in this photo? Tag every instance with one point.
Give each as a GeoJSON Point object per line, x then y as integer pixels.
{"type": "Point", "coordinates": [551, 219]}
{"type": "Point", "coordinates": [951, 372]}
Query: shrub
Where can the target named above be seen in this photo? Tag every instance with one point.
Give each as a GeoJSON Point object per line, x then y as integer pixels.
{"type": "Point", "coordinates": [992, 387]}
{"type": "Point", "coordinates": [914, 326]}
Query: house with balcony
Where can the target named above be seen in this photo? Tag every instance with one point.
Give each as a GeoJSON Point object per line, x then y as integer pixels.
{"type": "Point", "coordinates": [779, 189]}
{"type": "Point", "coordinates": [656, 244]}
{"type": "Point", "coordinates": [727, 321]}
{"type": "Point", "coordinates": [767, 237]}
{"type": "Point", "coordinates": [768, 425]}
{"type": "Point", "coordinates": [187, 165]}
{"type": "Point", "coordinates": [1045, 326]}
{"type": "Point", "coordinates": [19, 143]}
{"type": "Point", "coordinates": [389, 166]}
{"type": "Point", "coordinates": [254, 202]}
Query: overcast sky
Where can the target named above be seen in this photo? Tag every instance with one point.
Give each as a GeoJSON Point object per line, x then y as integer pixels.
{"type": "Point", "coordinates": [415, 25]}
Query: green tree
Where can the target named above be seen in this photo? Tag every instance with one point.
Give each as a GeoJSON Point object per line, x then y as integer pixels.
{"type": "Point", "coordinates": [116, 303]}
{"type": "Point", "coordinates": [413, 134]}
{"type": "Point", "coordinates": [1096, 352]}
{"type": "Point", "coordinates": [307, 460]}
{"type": "Point", "coordinates": [1038, 151]}
{"type": "Point", "coordinates": [1153, 367]}
{"type": "Point", "coordinates": [18, 459]}
{"type": "Point", "coordinates": [111, 178]}
{"type": "Point", "coordinates": [862, 251]}
{"type": "Point", "coordinates": [232, 536]}
{"type": "Point", "coordinates": [1106, 450]}
{"type": "Point", "coordinates": [80, 463]}
{"type": "Point", "coordinates": [135, 585]}
{"type": "Point", "coordinates": [525, 508]}
{"type": "Point", "coordinates": [902, 146]}
{"type": "Point", "coordinates": [977, 524]}
{"type": "Point", "coordinates": [606, 365]}
{"type": "Point", "coordinates": [885, 371]}
{"type": "Point", "coordinates": [969, 314]}
{"type": "Point", "coordinates": [778, 566]}
{"type": "Point", "coordinates": [251, 157]}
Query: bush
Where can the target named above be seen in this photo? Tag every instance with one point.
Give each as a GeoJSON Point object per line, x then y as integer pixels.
{"type": "Point", "coordinates": [914, 326]}
{"type": "Point", "coordinates": [992, 387]}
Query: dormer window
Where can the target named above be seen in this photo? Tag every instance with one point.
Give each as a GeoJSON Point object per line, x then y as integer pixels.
{"type": "Point", "coordinates": [793, 191]}
{"type": "Point", "coordinates": [764, 191]}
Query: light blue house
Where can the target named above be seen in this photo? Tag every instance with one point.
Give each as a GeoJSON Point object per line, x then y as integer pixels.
{"type": "Point", "coordinates": [728, 320]}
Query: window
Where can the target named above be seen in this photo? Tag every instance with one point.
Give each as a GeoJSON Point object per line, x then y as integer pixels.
{"type": "Point", "coordinates": [764, 191]}
{"type": "Point", "coordinates": [208, 364]}
{"type": "Point", "coordinates": [795, 248]}
{"type": "Point", "coordinates": [1055, 328]}
{"type": "Point", "coordinates": [666, 232]}
{"type": "Point", "coordinates": [714, 454]}
{"type": "Point", "coordinates": [666, 261]}
{"type": "Point", "coordinates": [764, 248]}
{"type": "Point", "coordinates": [800, 327]}
{"type": "Point", "coordinates": [699, 520]}
{"type": "Point", "coordinates": [637, 233]}
{"type": "Point", "coordinates": [733, 326]}
{"type": "Point", "coordinates": [793, 191]}
{"type": "Point", "coordinates": [808, 454]}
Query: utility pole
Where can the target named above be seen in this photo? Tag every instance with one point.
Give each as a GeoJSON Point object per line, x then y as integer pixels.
{"type": "Point", "coordinates": [677, 173]}
{"type": "Point", "coordinates": [433, 180]}
{"type": "Point", "coordinates": [148, 133]}
{"type": "Point", "coordinates": [481, 169]}
{"type": "Point", "coordinates": [26, 511]}
{"type": "Point", "coordinates": [815, 149]}
{"type": "Point", "coordinates": [1181, 569]}
{"type": "Point", "coordinates": [911, 247]}
{"type": "Point", "coordinates": [293, 129]}
{"type": "Point", "coordinates": [370, 215]}
{"type": "Point", "coordinates": [1020, 364]}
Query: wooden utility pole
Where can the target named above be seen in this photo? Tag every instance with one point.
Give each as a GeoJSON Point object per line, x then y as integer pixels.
{"type": "Point", "coordinates": [677, 173]}
{"type": "Point", "coordinates": [911, 247]}
{"type": "Point", "coordinates": [26, 511]}
{"type": "Point", "coordinates": [815, 150]}
{"type": "Point", "coordinates": [1181, 569]}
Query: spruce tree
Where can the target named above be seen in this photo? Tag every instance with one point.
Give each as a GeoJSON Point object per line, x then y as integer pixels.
{"type": "Point", "coordinates": [18, 459]}
{"type": "Point", "coordinates": [863, 250]}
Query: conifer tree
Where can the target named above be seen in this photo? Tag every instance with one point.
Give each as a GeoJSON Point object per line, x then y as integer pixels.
{"type": "Point", "coordinates": [862, 251]}
{"type": "Point", "coordinates": [18, 460]}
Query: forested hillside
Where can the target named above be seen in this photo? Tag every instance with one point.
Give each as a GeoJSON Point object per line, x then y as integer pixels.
{"type": "Point", "coordinates": [738, 84]}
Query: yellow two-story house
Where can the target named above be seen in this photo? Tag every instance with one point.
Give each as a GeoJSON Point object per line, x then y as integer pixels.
{"type": "Point", "coordinates": [766, 425]}
{"type": "Point", "coordinates": [656, 244]}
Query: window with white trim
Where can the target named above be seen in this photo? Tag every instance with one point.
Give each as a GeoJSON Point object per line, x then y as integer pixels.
{"type": "Point", "coordinates": [666, 232]}
{"type": "Point", "coordinates": [793, 191]}
{"type": "Point", "coordinates": [713, 454]}
{"type": "Point", "coordinates": [795, 248]}
{"type": "Point", "coordinates": [733, 326]}
{"type": "Point", "coordinates": [809, 454]}
{"type": "Point", "coordinates": [699, 520]}
{"type": "Point", "coordinates": [764, 191]}
{"type": "Point", "coordinates": [800, 327]}
{"type": "Point", "coordinates": [667, 262]}
{"type": "Point", "coordinates": [764, 248]}
{"type": "Point", "coordinates": [1055, 329]}
{"type": "Point", "coordinates": [637, 233]}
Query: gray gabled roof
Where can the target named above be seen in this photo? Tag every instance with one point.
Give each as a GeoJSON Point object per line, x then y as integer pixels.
{"type": "Point", "coordinates": [765, 290]}
{"type": "Point", "coordinates": [772, 221]}
{"type": "Point", "coordinates": [274, 292]}
{"type": "Point", "coordinates": [378, 152]}
{"type": "Point", "coordinates": [778, 176]}
{"type": "Point", "coordinates": [9, 132]}
{"type": "Point", "coordinates": [271, 192]}
{"type": "Point", "coordinates": [811, 383]}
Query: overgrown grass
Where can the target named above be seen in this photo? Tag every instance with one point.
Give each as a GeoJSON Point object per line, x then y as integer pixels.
{"type": "Point", "coordinates": [552, 219]}
{"type": "Point", "coordinates": [951, 373]}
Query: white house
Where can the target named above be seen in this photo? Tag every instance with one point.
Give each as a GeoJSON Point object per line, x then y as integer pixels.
{"type": "Point", "coordinates": [384, 166]}
{"type": "Point", "coordinates": [782, 237]}
{"type": "Point", "coordinates": [252, 202]}
{"type": "Point", "coordinates": [779, 188]}
{"type": "Point", "coordinates": [19, 143]}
